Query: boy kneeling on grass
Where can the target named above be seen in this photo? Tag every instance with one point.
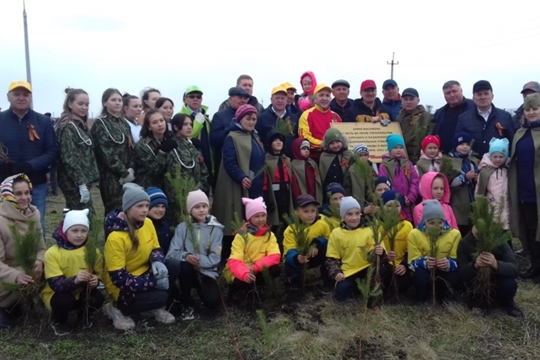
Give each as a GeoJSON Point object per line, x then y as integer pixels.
{"type": "Point", "coordinates": [318, 233]}
{"type": "Point", "coordinates": [444, 240]}
{"type": "Point", "coordinates": [348, 250]}
{"type": "Point", "coordinates": [504, 272]}
{"type": "Point", "coordinates": [67, 273]}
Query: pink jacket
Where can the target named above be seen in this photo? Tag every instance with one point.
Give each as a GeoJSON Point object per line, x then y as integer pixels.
{"type": "Point", "coordinates": [497, 188]}
{"type": "Point", "coordinates": [425, 187]}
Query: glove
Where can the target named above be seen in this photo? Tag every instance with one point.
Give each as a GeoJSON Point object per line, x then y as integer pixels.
{"type": "Point", "coordinates": [167, 145]}
{"type": "Point", "coordinates": [159, 270]}
{"type": "Point", "coordinates": [22, 168]}
{"type": "Point", "coordinates": [163, 284]}
{"type": "Point", "coordinates": [385, 122]}
{"type": "Point", "coordinates": [200, 118]}
{"type": "Point", "coordinates": [129, 178]}
{"type": "Point", "coordinates": [85, 194]}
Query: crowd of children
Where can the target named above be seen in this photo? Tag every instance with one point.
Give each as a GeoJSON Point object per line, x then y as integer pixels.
{"type": "Point", "coordinates": [150, 270]}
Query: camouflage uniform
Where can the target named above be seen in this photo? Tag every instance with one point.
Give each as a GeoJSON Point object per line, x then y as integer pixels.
{"type": "Point", "coordinates": [77, 164]}
{"type": "Point", "coordinates": [113, 147]}
{"type": "Point", "coordinates": [150, 164]}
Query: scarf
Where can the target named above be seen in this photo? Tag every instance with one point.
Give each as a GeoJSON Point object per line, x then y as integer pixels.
{"type": "Point", "coordinates": [7, 188]}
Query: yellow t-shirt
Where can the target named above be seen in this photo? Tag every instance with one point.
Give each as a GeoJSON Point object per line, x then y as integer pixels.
{"type": "Point", "coordinates": [352, 248]}
{"type": "Point", "coordinates": [400, 246]}
{"type": "Point", "coordinates": [333, 222]}
{"type": "Point", "coordinates": [447, 244]}
{"type": "Point", "coordinates": [257, 248]}
{"type": "Point", "coordinates": [118, 254]}
{"type": "Point", "coordinates": [62, 262]}
{"type": "Point", "coordinates": [319, 228]}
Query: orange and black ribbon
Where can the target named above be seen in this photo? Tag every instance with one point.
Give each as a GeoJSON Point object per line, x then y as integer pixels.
{"type": "Point", "coordinates": [32, 133]}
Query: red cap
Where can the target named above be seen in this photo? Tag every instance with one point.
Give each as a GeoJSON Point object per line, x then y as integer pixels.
{"type": "Point", "coordinates": [431, 139]}
{"type": "Point", "coordinates": [366, 84]}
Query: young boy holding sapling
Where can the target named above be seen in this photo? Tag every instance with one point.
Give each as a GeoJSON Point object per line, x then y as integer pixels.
{"type": "Point", "coordinates": [305, 172]}
{"type": "Point", "coordinates": [432, 252]}
{"type": "Point", "coordinates": [348, 250]}
{"type": "Point", "coordinates": [430, 155]}
{"type": "Point", "coordinates": [334, 160]}
{"type": "Point", "coordinates": [355, 183]}
{"type": "Point", "coordinates": [198, 248]}
{"type": "Point", "coordinates": [69, 283]}
{"type": "Point", "coordinates": [317, 234]}
{"type": "Point", "coordinates": [330, 211]}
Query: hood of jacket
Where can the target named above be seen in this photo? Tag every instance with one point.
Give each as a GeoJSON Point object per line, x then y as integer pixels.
{"type": "Point", "coordinates": [487, 163]}
{"type": "Point", "coordinates": [10, 212]}
{"type": "Point", "coordinates": [296, 148]}
{"type": "Point", "coordinates": [387, 156]}
{"type": "Point", "coordinates": [273, 135]}
{"type": "Point", "coordinates": [115, 221]}
{"type": "Point", "coordinates": [423, 156]}
{"type": "Point", "coordinates": [211, 220]}
{"type": "Point", "coordinates": [426, 182]}
{"type": "Point", "coordinates": [62, 240]}
{"type": "Point", "coordinates": [313, 82]}
{"type": "Point", "coordinates": [237, 127]}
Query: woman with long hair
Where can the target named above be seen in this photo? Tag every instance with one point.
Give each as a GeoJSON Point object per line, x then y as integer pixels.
{"type": "Point", "coordinates": [132, 111]}
{"type": "Point", "coordinates": [113, 147]}
{"type": "Point", "coordinates": [166, 108]}
{"type": "Point", "coordinates": [77, 166]}
{"type": "Point", "coordinates": [149, 97]}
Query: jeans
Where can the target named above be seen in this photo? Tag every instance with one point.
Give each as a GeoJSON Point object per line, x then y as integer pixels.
{"type": "Point", "coordinates": [144, 301]}
{"type": "Point", "coordinates": [294, 273]}
{"type": "Point", "coordinates": [63, 303]}
{"type": "Point", "coordinates": [529, 212]}
{"type": "Point", "coordinates": [173, 268]}
{"type": "Point", "coordinates": [348, 288]}
{"type": "Point", "coordinates": [206, 286]}
{"type": "Point", "coordinates": [445, 282]}
{"type": "Point", "coordinates": [39, 200]}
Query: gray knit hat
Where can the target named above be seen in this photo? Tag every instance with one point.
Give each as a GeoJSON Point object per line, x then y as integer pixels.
{"type": "Point", "coordinates": [347, 203]}
{"type": "Point", "coordinates": [432, 210]}
{"type": "Point", "coordinates": [133, 194]}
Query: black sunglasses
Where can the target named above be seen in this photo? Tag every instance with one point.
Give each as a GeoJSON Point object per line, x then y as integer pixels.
{"type": "Point", "coordinates": [194, 96]}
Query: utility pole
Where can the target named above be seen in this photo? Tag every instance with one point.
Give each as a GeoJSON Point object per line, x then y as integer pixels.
{"type": "Point", "coordinates": [392, 63]}
{"type": "Point", "coordinates": [26, 46]}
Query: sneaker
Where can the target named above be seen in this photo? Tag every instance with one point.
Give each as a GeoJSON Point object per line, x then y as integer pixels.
{"type": "Point", "coordinates": [120, 321]}
{"type": "Point", "coordinates": [513, 310]}
{"type": "Point", "coordinates": [61, 329]}
{"type": "Point", "coordinates": [187, 314]}
{"type": "Point", "coordinates": [160, 315]}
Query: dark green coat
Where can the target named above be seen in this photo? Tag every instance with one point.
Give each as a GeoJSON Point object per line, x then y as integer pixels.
{"type": "Point", "coordinates": [355, 186]}
{"type": "Point", "coordinates": [150, 164]}
{"type": "Point", "coordinates": [408, 121]}
{"type": "Point", "coordinates": [326, 159]}
{"type": "Point", "coordinates": [299, 170]}
{"type": "Point", "coordinates": [459, 197]}
{"type": "Point", "coordinates": [271, 165]}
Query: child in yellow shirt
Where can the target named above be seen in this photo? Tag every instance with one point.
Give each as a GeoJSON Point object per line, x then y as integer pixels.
{"type": "Point", "coordinates": [348, 250]}
{"type": "Point", "coordinates": [67, 274]}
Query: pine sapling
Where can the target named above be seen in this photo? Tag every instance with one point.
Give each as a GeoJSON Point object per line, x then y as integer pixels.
{"type": "Point", "coordinates": [365, 172]}
{"type": "Point", "coordinates": [447, 168]}
{"type": "Point", "coordinates": [490, 234]}
{"type": "Point", "coordinates": [91, 258]}
{"type": "Point", "coordinates": [374, 224]}
{"type": "Point", "coordinates": [421, 130]}
{"type": "Point", "coordinates": [303, 245]}
{"type": "Point", "coordinates": [390, 220]}
{"type": "Point", "coordinates": [284, 127]}
{"type": "Point", "coordinates": [433, 233]}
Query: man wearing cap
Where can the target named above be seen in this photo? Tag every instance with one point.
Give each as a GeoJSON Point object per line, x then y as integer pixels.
{"type": "Point", "coordinates": [222, 121]}
{"type": "Point", "coordinates": [446, 118]}
{"type": "Point", "coordinates": [277, 117]}
{"type": "Point", "coordinates": [291, 93]}
{"type": "Point", "coordinates": [316, 120]}
{"type": "Point", "coordinates": [485, 121]}
{"type": "Point", "coordinates": [341, 104]}
{"type": "Point", "coordinates": [369, 107]}
{"type": "Point", "coordinates": [28, 141]}
{"type": "Point", "coordinates": [412, 113]}
{"type": "Point", "coordinates": [200, 136]}
{"type": "Point", "coordinates": [245, 82]}
{"type": "Point", "coordinates": [391, 98]}
{"type": "Point", "coordinates": [531, 87]}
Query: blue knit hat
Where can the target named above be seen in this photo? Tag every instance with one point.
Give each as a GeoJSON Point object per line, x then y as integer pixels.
{"type": "Point", "coordinates": [461, 138]}
{"type": "Point", "coordinates": [360, 148]}
{"type": "Point", "coordinates": [390, 195]}
{"type": "Point", "coordinates": [157, 196]}
{"type": "Point", "coordinates": [346, 204]}
{"type": "Point", "coordinates": [394, 140]}
{"type": "Point", "coordinates": [335, 188]}
{"type": "Point", "coordinates": [383, 180]}
{"type": "Point", "coordinates": [498, 145]}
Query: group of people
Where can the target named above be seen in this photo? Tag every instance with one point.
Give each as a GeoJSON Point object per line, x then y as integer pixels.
{"type": "Point", "coordinates": [264, 165]}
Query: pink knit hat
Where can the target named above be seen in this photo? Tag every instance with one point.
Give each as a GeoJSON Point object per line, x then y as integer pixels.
{"type": "Point", "coordinates": [254, 206]}
{"type": "Point", "coordinates": [196, 197]}
{"type": "Point", "coordinates": [243, 111]}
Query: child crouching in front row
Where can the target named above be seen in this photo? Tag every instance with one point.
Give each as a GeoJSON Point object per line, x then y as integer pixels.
{"type": "Point", "coordinates": [348, 250]}
{"type": "Point", "coordinates": [67, 274]}
{"type": "Point", "coordinates": [250, 256]}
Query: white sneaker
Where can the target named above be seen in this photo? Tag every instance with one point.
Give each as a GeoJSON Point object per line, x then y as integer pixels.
{"type": "Point", "coordinates": [120, 321]}
{"type": "Point", "coordinates": [160, 315]}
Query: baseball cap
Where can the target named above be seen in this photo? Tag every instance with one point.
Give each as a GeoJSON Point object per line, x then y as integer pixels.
{"type": "Point", "coordinates": [341, 83]}
{"type": "Point", "coordinates": [322, 87]}
{"type": "Point", "coordinates": [481, 85]}
{"type": "Point", "coordinates": [367, 84]}
{"type": "Point", "coordinates": [287, 85]}
{"type": "Point", "coordinates": [410, 92]}
{"type": "Point", "coordinates": [20, 84]}
{"type": "Point", "coordinates": [278, 89]}
{"type": "Point", "coordinates": [193, 89]}
{"type": "Point", "coordinates": [531, 86]}
{"type": "Point", "coordinates": [389, 82]}
{"type": "Point", "coordinates": [238, 91]}
{"type": "Point", "coordinates": [306, 199]}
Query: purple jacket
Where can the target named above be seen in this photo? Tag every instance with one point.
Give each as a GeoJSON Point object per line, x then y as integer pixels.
{"type": "Point", "coordinates": [404, 178]}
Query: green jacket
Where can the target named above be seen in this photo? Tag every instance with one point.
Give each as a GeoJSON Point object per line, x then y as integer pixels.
{"type": "Point", "coordinates": [459, 199]}
{"type": "Point", "coordinates": [355, 186]}
{"type": "Point", "coordinates": [197, 126]}
{"type": "Point", "coordinates": [150, 164]}
{"type": "Point", "coordinates": [408, 121]}
{"type": "Point", "coordinates": [271, 165]}
{"type": "Point", "coordinates": [327, 158]}
{"type": "Point", "coordinates": [77, 163]}
{"type": "Point", "coordinates": [191, 162]}
{"type": "Point", "coordinates": [299, 170]}
{"type": "Point", "coordinates": [517, 225]}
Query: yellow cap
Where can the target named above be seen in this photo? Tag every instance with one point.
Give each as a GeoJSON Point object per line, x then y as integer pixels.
{"type": "Point", "coordinates": [279, 88]}
{"type": "Point", "coordinates": [287, 85]}
{"type": "Point", "coordinates": [322, 87]}
{"type": "Point", "coordinates": [20, 84]}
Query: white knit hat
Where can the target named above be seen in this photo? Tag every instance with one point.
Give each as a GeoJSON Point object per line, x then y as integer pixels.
{"type": "Point", "coordinates": [76, 217]}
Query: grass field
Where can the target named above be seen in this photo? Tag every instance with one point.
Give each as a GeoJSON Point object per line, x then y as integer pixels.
{"type": "Point", "coordinates": [310, 327]}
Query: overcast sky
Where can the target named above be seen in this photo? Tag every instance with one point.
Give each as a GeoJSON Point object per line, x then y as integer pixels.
{"type": "Point", "coordinates": [172, 44]}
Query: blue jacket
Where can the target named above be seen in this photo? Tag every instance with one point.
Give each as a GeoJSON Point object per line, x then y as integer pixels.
{"type": "Point", "coordinates": [445, 127]}
{"type": "Point", "coordinates": [219, 129]}
{"type": "Point", "coordinates": [164, 234]}
{"type": "Point", "coordinates": [266, 123]}
{"type": "Point", "coordinates": [343, 112]}
{"type": "Point", "coordinates": [256, 161]}
{"type": "Point", "coordinates": [394, 107]}
{"type": "Point", "coordinates": [481, 131]}
{"type": "Point", "coordinates": [40, 153]}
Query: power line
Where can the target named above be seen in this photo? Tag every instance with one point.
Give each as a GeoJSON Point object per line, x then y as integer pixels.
{"type": "Point", "coordinates": [392, 63]}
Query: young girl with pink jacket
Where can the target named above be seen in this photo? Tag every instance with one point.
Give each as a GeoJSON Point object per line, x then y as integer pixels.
{"type": "Point", "coordinates": [435, 186]}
